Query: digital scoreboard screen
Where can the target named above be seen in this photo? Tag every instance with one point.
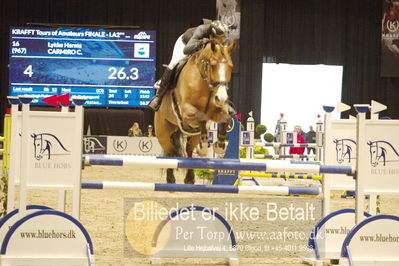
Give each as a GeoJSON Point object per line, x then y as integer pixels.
{"type": "Point", "coordinates": [111, 68]}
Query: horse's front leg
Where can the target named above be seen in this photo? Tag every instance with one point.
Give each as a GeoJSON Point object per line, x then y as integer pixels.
{"type": "Point", "coordinates": [193, 116]}
{"type": "Point", "coordinates": [221, 144]}
{"type": "Point", "coordinates": [170, 177]}
{"type": "Point", "coordinates": [203, 145]}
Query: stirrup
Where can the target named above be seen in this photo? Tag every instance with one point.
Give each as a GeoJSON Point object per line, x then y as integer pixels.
{"type": "Point", "coordinates": [157, 85]}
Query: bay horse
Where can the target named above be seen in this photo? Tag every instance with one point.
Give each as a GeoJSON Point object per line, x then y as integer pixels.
{"type": "Point", "coordinates": [199, 96]}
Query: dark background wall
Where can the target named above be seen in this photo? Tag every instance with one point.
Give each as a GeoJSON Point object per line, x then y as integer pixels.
{"type": "Point", "coordinates": [338, 32]}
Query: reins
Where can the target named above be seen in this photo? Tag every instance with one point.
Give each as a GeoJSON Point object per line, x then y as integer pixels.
{"type": "Point", "coordinates": [204, 70]}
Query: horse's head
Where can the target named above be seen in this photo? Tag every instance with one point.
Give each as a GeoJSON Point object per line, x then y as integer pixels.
{"type": "Point", "coordinates": [216, 70]}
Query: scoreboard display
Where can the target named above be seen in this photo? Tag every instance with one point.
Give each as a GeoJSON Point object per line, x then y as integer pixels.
{"type": "Point", "coordinates": [111, 68]}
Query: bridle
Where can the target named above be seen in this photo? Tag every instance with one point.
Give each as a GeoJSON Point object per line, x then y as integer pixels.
{"type": "Point", "coordinates": [204, 70]}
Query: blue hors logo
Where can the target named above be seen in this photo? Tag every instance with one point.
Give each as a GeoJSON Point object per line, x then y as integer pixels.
{"type": "Point", "coordinates": [92, 145]}
{"type": "Point", "coordinates": [47, 145]}
{"type": "Point", "coordinates": [345, 148]}
{"type": "Point", "coordinates": [382, 152]}
{"type": "Point", "coordinates": [145, 145]}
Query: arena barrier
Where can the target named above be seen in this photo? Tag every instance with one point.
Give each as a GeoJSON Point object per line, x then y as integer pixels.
{"type": "Point", "coordinates": [122, 145]}
{"type": "Point", "coordinates": [263, 190]}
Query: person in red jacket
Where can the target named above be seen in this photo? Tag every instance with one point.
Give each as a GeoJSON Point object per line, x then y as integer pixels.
{"type": "Point", "coordinates": [299, 139]}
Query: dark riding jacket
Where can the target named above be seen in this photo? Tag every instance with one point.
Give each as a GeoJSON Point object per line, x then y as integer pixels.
{"type": "Point", "coordinates": [193, 36]}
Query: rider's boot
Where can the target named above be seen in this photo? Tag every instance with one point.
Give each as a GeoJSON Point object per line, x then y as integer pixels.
{"type": "Point", "coordinates": [162, 87]}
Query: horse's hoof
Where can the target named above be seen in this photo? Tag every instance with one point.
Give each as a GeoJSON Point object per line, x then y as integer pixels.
{"type": "Point", "coordinates": [171, 180]}
{"type": "Point", "coordinates": [189, 181]}
{"type": "Point", "coordinates": [202, 150]}
{"type": "Point", "coordinates": [220, 148]}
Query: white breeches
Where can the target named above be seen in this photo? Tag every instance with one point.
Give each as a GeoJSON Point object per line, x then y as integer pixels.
{"type": "Point", "coordinates": [177, 53]}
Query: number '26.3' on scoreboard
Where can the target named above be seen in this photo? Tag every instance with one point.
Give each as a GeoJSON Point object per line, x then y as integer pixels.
{"type": "Point", "coordinates": [110, 67]}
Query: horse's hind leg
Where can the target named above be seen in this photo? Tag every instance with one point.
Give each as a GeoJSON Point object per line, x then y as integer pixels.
{"type": "Point", "coordinates": [191, 144]}
{"type": "Point", "coordinates": [179, 141]}
{"type": "Point", "coordinates": [169, 151]}
{"type": "Point", "coordinates": [190, 177]}
{"type": "Point", "coordinates": [170, 177]}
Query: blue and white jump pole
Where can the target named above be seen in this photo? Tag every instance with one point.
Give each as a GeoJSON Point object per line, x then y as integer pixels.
{"type": "Point", "coordinates": [221, 164]}
{"type": "Point", "coordinates": [140, 186]}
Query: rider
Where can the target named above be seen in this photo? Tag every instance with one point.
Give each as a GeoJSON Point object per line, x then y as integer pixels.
{"type": "Point", "coordinates": [188, 43]}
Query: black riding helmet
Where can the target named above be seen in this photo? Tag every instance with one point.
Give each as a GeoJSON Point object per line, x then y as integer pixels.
{"type": "Point", "coordinates": [219, 28]}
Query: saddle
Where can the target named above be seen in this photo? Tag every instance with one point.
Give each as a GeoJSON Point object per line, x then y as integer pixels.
{"type": "Point", "coordinates": [170, 106]}
{"type": "Point", "coordinates": [176, 72]}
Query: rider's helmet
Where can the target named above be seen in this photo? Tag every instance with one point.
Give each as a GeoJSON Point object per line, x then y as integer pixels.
{"type": "Point", "coordinates": [219, 28]}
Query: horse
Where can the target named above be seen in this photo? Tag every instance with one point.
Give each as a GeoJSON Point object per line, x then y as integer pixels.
{"type": "Point", "coordinates": [382, 152]}
{"type": "Point", "coordinates": [198, 97]}
{"type": "Point", "coordinates": [344, 149]}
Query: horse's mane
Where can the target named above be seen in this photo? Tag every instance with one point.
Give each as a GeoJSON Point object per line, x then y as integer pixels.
{"type": "Point", "coordinates": [207, 51]}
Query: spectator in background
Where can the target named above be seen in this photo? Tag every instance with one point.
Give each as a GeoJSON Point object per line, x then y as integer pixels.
{"type": "Point", "coordinates": [300, 131]}
{"type": "Point", "coordinates": [277, 130]}
{"type": "Point", "coordinates": [299, 139]}
{"type": "Point", "coordinates": [135, 130]}
{"type": "Point", "coordinates": [310, 138]}
{"type": "Point", "coordinates": [150, 132]}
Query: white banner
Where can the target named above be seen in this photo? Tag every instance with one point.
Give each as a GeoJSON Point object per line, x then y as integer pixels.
{"type": "Point", "coordinates": [144, 146]}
